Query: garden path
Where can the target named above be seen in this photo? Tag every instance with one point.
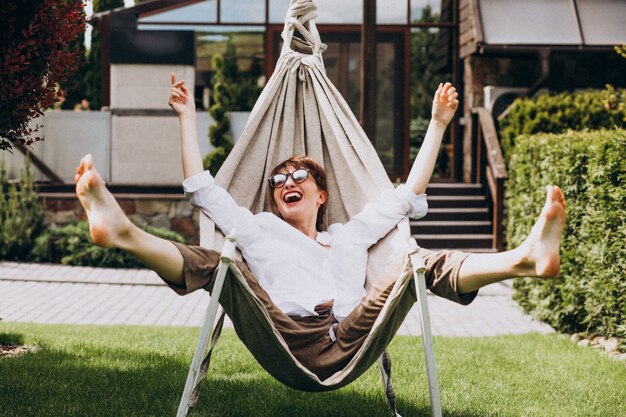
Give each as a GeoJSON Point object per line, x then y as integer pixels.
{"type": "Point", "coordinates": [45, 293]}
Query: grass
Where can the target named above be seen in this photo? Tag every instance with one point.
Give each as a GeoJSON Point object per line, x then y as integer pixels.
{"type": "Point", "coordinates": [141, 371]}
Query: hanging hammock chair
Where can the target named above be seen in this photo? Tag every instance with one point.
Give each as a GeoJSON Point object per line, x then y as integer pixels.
{"type": "Point", "coordinates": [300, 112]}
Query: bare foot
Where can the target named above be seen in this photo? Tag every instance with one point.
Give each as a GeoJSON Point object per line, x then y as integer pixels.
{"type": "Point", "coordinates": [107, 222]}
{"type": "Point", "coordinates": [541, 247]}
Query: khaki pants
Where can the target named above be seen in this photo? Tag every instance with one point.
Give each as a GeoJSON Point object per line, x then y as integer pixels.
{"type": "Point", "coordinates": [308, 337]}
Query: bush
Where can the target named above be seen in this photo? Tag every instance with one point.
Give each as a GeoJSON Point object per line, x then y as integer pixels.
{"type": "Point", "coordinates": [36, 54]}
{"type": "Point", "coordinates": [72, 245]}
{"type": "Point", "coordinates": [590, 167]}
{"type": "Point", "coordinates": [556, 113]}
{"type": "Point", "coordinates": [218, 131]}
{"type": "Point", "coordinates": [21, 215]}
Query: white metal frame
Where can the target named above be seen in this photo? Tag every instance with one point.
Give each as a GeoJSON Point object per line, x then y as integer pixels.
{"type": "Point", "coordinates": [427, 338]}
{"type": "Point", "coordinates": [226, 257]}
{"type": "Point", "coordinates": [228, 252]}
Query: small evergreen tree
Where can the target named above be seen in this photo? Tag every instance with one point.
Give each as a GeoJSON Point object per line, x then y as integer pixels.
{"type": "Point", "coordinates": [242, 89]}
{"type": "Point", "coordinates": [218, 132]}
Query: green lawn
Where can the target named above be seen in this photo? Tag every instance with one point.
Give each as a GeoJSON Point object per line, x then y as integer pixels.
{"type": "Point", "coordinates": [140, 371]}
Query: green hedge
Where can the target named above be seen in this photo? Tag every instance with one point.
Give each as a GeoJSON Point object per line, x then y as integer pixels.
{"type": "Point", "coordinates": [590, 167]}
{"type": "Point", "coordinates": [72, 245]}
{"type": "Point", "coordinates": [556, 113]}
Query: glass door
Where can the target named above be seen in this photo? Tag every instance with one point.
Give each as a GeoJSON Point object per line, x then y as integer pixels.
{"type": "Point", "coordinates": [342, 60]}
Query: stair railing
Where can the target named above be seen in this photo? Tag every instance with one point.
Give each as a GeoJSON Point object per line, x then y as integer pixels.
{"type": "Point", "coordinates": [489, 167]}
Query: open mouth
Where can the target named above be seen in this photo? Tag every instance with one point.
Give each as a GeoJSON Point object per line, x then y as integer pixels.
{"type": "Point", "coordinates": [292, 197]}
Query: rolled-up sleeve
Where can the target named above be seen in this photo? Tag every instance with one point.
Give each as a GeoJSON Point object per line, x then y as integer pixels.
{"type": "Point", "coordinates": [378, 218]}
{"type": "Point", "coordinates": [195, 182]}
{"type": "Point", "coordinates": [418, 206]}
{"type": "Point", "coordinates": [219, 206]}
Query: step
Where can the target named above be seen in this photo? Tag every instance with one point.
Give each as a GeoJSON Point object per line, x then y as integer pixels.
{"type": "Point", "coordinates": [449, 201]}
{"type": "Point", "coordinates": [480, 250]}
{"type": "Point", "coordinates": [470, 250]}
{"type": "Point", "coordinates": [456, 214]}
{"type": "Point", "coordinates": [454, 241]}
{"type": "Point", "coordinates": [454, 188]}
{"type": "Point", "coordinates": [451, 227]}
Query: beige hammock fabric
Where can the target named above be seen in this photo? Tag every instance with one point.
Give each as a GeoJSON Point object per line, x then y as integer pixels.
{"type": "Point", "coordinates": [300, 112]}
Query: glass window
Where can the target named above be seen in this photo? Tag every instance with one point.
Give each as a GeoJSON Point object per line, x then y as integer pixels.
{"type": "Point", "coordinates": [244, 54]}
{"type": "Point", "coordinates": [342, 61]}
{"type": "Point", "coordinates": [201, 28]}
{"type": "Point", "coordinates": [329, 11]}
{"type": "Point", "coordinates": [238, 11]}
{"type": "Point", "coordinates": [389, 137]}
{"type": "Point", "coordinates": [529, 22]}
{"type": "Point", "coordinates": [603, 21]}
{"type": "Point", "coordinates": [430, 65]}
{"type": "Point", "coordinates": [278, 10]}
{"type": "Point", "coordinates": [203, 12]}
{"type": "Point", "coordinates": [391, 11]}
{"type": "Point", "coordinates": [427, 10]}
{"type": "Point", "coordinates": [344, 11]}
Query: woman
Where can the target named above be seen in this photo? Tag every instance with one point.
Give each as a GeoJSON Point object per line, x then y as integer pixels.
{"type": "Point", "coordinates": [311, 281]}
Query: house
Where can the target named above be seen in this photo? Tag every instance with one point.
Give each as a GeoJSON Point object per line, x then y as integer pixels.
{"type": "Point", "coordinates": [492, 50]}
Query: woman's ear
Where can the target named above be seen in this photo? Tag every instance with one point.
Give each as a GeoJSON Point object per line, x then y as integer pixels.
{"type": "Point", "coordinates": [323, 198]}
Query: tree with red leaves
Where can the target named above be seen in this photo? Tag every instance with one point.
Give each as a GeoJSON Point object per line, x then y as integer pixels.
{"type": "Point", "coordinates": [36, 55]}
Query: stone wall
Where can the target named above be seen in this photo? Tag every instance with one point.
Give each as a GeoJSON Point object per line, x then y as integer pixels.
{"type": "Point", "coordinates": [168, 212]}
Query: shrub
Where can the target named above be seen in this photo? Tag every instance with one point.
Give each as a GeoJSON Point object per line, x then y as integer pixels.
{"type": "Point", "coordinates": [218, 131]}
{"type": "Point", "coordinates": [242, 87]}
{"type": "Point", "coordinates": [21, 215]}
{"type": "Point", "coordinates": [72, 245]}
{"type": "Point", "coordinates": [233, 90]}
{"type": "Point", "coordinates": [590, 167]}
{"type": "Point", "coordinates": [556, 113]}
{"type": "Point", "coordinates": [36, 38]}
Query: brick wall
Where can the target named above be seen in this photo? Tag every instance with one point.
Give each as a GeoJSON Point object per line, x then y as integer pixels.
{"type": "Point", "coordinates": [169, 212]}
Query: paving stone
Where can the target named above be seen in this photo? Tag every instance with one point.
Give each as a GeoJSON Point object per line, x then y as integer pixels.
{"type": "Point", "coordinates": [89, 295]}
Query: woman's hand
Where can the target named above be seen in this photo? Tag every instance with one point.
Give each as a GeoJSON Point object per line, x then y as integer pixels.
{"type": "Point", "coordinates": [180, 99]}
{"type": "Point", "coordinates": [445, 103]}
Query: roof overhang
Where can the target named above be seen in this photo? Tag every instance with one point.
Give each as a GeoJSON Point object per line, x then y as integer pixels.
{"type": "Point", "coordinates": [513, 26]}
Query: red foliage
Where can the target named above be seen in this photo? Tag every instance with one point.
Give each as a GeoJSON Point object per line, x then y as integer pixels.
{"type": "Point", "coordinates": [35, 55]}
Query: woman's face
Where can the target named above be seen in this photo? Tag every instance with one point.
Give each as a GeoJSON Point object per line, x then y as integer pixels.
{"type": "Point", "coordinates": [298, 202]}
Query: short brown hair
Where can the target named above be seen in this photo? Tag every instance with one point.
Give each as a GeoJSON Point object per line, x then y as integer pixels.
{"type": "Point", "coordinates": [315, 170]}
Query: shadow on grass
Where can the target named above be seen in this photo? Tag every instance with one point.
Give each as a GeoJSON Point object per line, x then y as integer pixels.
{"type": "Point", "coordinates": [117, 382]}
{"type": "Point", "coordinates": [11, 339]}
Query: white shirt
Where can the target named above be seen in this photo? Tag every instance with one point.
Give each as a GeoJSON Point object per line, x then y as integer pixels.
{"type": "Point", "coordinates": [295, 270]}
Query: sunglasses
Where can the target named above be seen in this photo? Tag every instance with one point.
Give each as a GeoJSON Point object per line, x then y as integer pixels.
{"type": "Point", "coordinates": [298, 176]}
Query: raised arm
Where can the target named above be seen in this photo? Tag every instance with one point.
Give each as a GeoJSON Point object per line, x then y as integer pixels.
{"type": "Point", "coordinates": [445, 104]}
{"type": "Point", "coordinates": [181, 101]}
